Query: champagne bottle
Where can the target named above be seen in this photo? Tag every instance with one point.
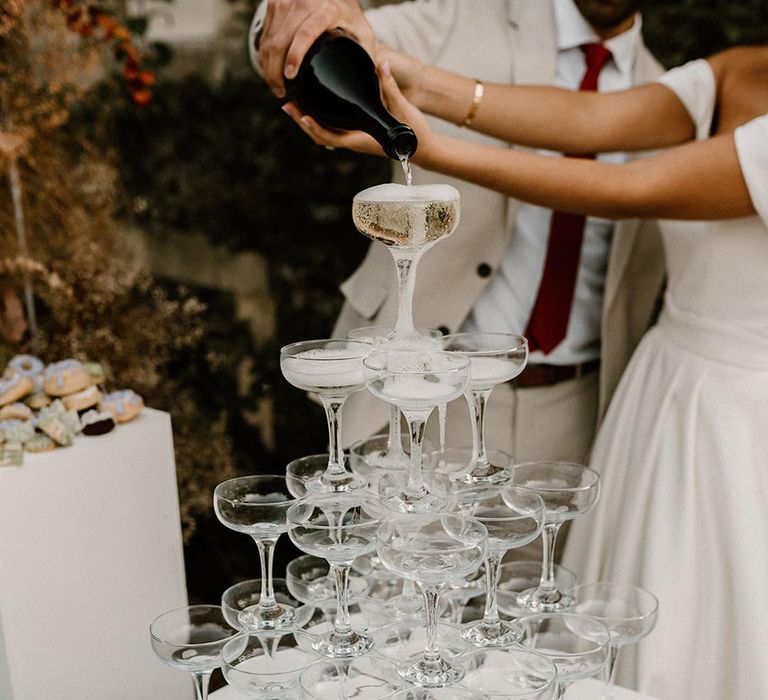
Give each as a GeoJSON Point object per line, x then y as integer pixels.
{"type": "Point", "coordinates": [337, 85]}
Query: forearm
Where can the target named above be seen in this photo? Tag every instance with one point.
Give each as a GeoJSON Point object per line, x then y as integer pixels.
{"type": "Point", "coordinates": [558, 119]}
{"type": "Point", "coordinates": [660, 187]}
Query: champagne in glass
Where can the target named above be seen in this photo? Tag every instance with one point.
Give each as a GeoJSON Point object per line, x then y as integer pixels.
{"type": "Point", "coordinates": [408, 220]}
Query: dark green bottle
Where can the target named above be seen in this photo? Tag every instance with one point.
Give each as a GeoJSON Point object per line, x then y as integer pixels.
{"type": "Point", "coordinates": [337, 85]}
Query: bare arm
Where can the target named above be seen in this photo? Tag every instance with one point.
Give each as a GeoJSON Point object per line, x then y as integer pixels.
{"type": "Point", "coordinates": [642, 118]}
{"type": "Point", "coordinates": [700, 180]}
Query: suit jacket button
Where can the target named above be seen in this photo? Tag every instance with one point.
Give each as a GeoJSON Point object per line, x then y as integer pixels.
{"type": "Point", "coordinates": [484, 270]}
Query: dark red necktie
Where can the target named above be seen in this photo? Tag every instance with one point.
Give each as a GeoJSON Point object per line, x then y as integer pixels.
{"type": "Point", "coordinates": [549, 318]}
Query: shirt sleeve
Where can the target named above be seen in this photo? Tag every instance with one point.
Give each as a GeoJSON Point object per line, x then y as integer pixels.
{"type": "Point", "coordinates": [752, 149]}
{"type": "Point", "coordinates": [695, 86]}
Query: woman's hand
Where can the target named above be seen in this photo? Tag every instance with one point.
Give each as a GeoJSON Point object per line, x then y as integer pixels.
{"type": "Point", "coordinates": [361, 142]}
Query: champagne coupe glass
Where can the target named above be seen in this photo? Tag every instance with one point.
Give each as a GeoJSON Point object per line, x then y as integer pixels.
{"type": "Point", "coordinates": [246, 594]}
{"type": "Point", "coordinates": [416, 382]}
{"type": "Point", "coordinates": [403, 642]}
{"type": "Point", "coordinates": [339, 529]}
{"type": "Point", "coordinates": [408, 220]}
{"type": "Point", "coordinates": [630, 614]}
{"type": "Point", "coordinates": [257, 506]}
{"type": "Point", "coordinates": [332, 370]}
{"type": "Point", "coordinates": [432, 550]}
{"type": "Point", "coordinates": [494, 358]}
{"type": "Point", "coordinates": [308, 580]}
{"type": "Point", "coordinates": [568, 491]}
{"type": "Point", "coordinates": [264, 668]}
{"type": "Point", "coordinates": [522, 574]}
{"type": "Point", "coordinates": [509, 674]}
{"type": "Point", "coordinates": [513, 516]}
{"type": "Point", "coordinates": [391, 454]}
{"type": "Point", "coordinates": [190, 639]}
{"type": "Point", "coordinates": [360, 678]}
{"type": "Point", "coordinates": [577, 644]}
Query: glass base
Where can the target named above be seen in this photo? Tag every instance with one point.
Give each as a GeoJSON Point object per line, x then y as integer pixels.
{"type": "Point", "coordinates": [537, 601]}
{"type": "Point", "coordinates": [388, 460]}
{"type": "Point", "coordinates": [428, 503]}
{"type": "Point", "coordinates": [343, 646]}
{"type": "Point", "coordinates": [483, 474]}
{"type": "Point", "coordinates": [406, 607]}
{"type": "Point", "coordinates": [274, 619]}
{"type": "Point", "coordinates": [336, 483]}
{"type": "Point", "coordinates": [431, 674]}
{"type": "Point", "coordinates": [497, 636]}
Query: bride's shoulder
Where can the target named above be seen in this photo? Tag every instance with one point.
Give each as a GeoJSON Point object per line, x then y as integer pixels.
{"type": "Point", "coordinates": [741, 63]}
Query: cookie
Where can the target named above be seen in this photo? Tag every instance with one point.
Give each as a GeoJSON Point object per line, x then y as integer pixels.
{"type": "Point", "coordinates": [37, 400]}
{"type": "Point", "coordinates": [11, 455]}
{"type": "Point", "coordinates": [97, 422]}
{"type": "Point", "coordinates": [13, 387]}
{"type": "Point", "coordinates": [124, 405]}
{"type": "Point", "coordinates": [56, 429]}
{"type": "Point", "coordinates": [87, 398]}
{"type": "Point", "coordinates": [15, 411]}
{"type": "Point", "coordinates": [39, 443]}
{"type": "Point", "coordinates": [65, 377]}
{"type": "Point", "coordinates": [27, 365]}
{"type": "Point", "coordinates": [16, 430]}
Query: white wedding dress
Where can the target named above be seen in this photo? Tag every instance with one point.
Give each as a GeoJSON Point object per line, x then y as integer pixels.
{"type": "Point", "coordinates": [683, 452]}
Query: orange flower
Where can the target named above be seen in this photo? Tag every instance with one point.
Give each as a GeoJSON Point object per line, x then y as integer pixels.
{"type": "Point", "coordinates": [141, 96]}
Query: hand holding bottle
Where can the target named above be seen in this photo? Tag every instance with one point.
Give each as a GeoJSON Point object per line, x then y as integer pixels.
{"type": "Point", "coordinates": [361, 142]}
{"type": "Point", "coordinates": [290, 27]}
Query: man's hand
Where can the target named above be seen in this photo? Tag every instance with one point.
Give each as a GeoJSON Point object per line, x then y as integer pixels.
{"type": "Point", "coordinates": [291, 27]}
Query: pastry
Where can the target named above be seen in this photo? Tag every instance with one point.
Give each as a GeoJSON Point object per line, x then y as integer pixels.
{"type": "Point", "coordinates": [124, 405]}
{"type": "Point", "coordinates": [27, 365]}
{"type": "Point", "coordinates": [96, 371]}
{"type": "Point", "coordinates": [13, 387]}
{"type": "Point", "coordinates": [56, 429]}
{"type": "Point", "coordinates": [11, 455]}
{"type": "Point", "coordinates": [97, 422]}
{"type": "Point", "coordinates": [15, 411]}
{"type": "Point", "coordinates": [87, 398]}
{"type": "Point", "coordinates": [65, 377]}
{"type": "Point", "coordinates": [39, 443]}
{"type": "Point", "coordinates": [37, 400]}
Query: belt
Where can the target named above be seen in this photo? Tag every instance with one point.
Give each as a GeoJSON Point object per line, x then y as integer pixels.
{"type": "Point", "coordinates": [547, 375]}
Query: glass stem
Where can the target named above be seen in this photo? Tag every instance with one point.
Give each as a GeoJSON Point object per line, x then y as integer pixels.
{"type": "Point", "coordinates": [492, 564]}
{"type": "Point", "coordinates": [395, 439]}
{"type": "Point", "coordinates": [333, 408]}
{"type": "Point", "coordinates": [477, 401]}
{"type": "Point", "coordinates": [610, 671]}
{"type": "Point", "coordinates": [341, 624]}
{"type": "Point", "coordinates": [201, 684]}
{"type": "Point", "coordinates": [416, 422]}
{"type": "Point", "coordinates": [548, 537]}
{"type": "Point", "coordinates": [266, 549]}
{"type": "Point", "coordinates": [431, 600]}
{"type": "Point", "coordinates": [405, 265]}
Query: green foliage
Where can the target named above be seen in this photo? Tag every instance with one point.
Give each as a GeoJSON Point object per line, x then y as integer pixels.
{"type": "Point", "coordinates": [679, 30]}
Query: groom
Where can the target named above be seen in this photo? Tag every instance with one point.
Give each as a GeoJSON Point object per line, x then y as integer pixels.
{"type": "Point", "coordinates": [498, 271]}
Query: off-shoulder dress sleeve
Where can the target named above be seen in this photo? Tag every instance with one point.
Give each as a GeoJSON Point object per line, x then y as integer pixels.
{"type": "Point", "coordinates": [695, 86]}
{"type": "Point", "coordinates": [752, 148]}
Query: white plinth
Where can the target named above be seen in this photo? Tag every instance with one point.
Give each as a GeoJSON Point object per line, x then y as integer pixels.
{"type": "Point", "coordinates": [90, 553]}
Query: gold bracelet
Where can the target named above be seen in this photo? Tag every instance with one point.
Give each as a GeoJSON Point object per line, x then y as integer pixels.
{"type": "Point", "coordinates": [476, 99]}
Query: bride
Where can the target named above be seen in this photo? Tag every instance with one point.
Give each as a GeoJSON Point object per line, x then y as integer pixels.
{"type": "Point", "coordinates": [682, 452]}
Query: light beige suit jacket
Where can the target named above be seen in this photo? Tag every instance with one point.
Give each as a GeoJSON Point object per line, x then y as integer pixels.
{"type": "Point", "coordinates": [505, 41]}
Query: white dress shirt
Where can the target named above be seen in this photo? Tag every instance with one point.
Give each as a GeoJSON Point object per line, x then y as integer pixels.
{"type": "Point", "coordinates": [506, 303]}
